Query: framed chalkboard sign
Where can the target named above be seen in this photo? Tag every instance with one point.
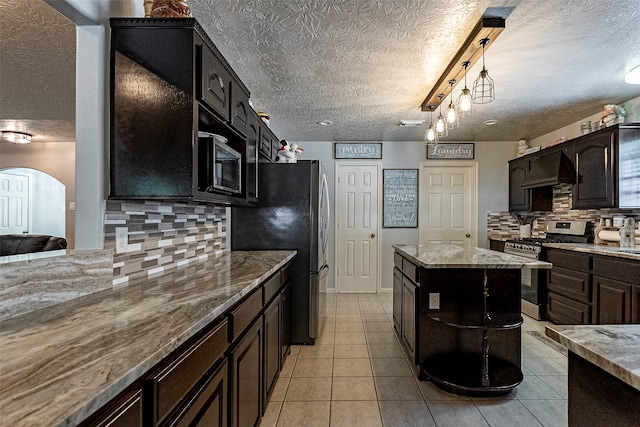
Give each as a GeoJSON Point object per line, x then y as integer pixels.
{"type": "Point", "coordinates": [400, 198]}
{"type": "Point", "coordinates": [357, 150]}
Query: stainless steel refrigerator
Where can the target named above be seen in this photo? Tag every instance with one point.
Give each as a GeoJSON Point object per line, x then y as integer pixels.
{"type": "Point", "coordinates": [293, 213]}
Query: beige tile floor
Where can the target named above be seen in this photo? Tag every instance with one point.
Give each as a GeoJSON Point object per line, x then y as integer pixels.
{"type": "Point", "coordinates": [358, 375]}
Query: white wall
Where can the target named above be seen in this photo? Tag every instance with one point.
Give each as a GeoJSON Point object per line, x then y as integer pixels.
{"type": "Point", "coordinates": [573, 130]}
{"type": "Point", "coordinates": [493, 187]}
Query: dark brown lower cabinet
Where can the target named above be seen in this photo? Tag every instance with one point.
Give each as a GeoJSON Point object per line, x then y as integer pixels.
{"type": "Point", "coordinates": [397, 299]}
{"type": "Point", "coordinates": [409, 316]}
{"type": "Point", "coordinates": [611, 301]}
{"type": "Point", "coordinates": [272, 348]}
{"type": "Point", "coordinates": [285, 321]}
{"type": "Point", "coordinates": [246, 378]}
{"type": "Point", "coordinates": [208, 405]}
{"type": "Point", "coordinates": [124, 412]}
{"type": "Point", "coordinates": [635, 304]}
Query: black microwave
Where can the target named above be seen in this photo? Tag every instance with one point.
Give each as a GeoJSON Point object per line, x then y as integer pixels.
{"type": "Point", "coordinates": [219, 165]}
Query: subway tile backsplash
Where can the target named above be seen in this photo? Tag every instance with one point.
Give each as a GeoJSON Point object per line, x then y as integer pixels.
{"type": "Point", "coordinates": [504, 225]}
{"type": "Point", "coordinates": [162, 235]}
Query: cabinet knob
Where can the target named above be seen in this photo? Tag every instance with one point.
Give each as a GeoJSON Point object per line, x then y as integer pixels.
{"type": "Point", "coordinates": [467, 235]}
{"type": "Point", "coordinates": [373, 235]}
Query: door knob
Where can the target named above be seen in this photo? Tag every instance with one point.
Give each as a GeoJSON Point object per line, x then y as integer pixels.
{"type": "Point", "coordinates": [373, 235]}
{"type": "Point", "coordinates": [467, 235]}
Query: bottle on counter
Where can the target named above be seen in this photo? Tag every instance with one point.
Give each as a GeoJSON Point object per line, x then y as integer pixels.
{"type": "Point", "coordinates": [628, 233]}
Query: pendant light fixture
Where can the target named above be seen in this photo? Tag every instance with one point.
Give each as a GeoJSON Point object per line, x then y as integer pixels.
{"type": "Point", "coordinates": [452, 116]}
{"type": "Point", "coordinates": [431, 134]}
{"type": "Point", "coordinates": [441, 126]}
{"type": "Point", "coordinates": [465, 104]}
{"type": "Point", "coordinates": [483, 87]}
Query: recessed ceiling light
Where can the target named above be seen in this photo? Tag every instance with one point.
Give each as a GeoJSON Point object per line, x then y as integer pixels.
{"type": "Point", "coordinates": [17, 137]}
{"type": "Point", "coordinates": [490, 122]}
{"type": "Point", "coordinates": [633, 76]}
{"type": "Point", "coordinates": [325, 122]}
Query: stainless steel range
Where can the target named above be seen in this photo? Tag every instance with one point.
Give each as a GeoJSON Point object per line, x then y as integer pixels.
{"type": "Point", "coordinates": [534, 280]}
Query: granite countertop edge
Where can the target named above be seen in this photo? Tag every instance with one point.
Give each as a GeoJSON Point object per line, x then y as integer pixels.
{"type": "Point", "coordinates": [591, 248]}
{"type": "Point", "coordinates": [452, 256]}
{"type": "Point", "coordinates": [194, 297]}
{"type": "Point", "coordinates": [613, 348]}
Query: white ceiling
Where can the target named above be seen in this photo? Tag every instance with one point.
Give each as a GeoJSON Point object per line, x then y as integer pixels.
{"type": "Point", "coordinates": [363, 64]}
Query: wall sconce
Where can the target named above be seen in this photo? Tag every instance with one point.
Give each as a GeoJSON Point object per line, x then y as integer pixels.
{"type": "Point", "coordinates": [470, 52]}
{"type": "Point", "coordinates": [16, 137]}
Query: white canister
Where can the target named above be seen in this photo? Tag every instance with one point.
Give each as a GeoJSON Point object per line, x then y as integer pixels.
{"type": "Point", "coordinates": [525, 231]}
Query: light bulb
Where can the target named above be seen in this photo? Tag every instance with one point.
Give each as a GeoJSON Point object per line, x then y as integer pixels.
{"type": "Point", "coordinates": [451, 113]}
{"type": "Point", "coordinates": [440, 124]}
{"type": "Point", "coordinates": [465, 100]}
{"type": "Point", "coordinates": [431, 133]}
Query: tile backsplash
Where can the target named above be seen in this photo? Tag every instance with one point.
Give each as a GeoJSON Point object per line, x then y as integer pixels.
{"type": "Point", "coordinates": [504, 225]}
{"type": "Point", "coordinates": [162, 235]}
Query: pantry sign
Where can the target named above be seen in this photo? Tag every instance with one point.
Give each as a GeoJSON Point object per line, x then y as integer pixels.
{"type": "Point", "coordinates": [450, 151]}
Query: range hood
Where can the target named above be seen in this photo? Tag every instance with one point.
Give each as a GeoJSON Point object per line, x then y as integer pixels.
{"type": "Point", "coordinates": [549, 169]}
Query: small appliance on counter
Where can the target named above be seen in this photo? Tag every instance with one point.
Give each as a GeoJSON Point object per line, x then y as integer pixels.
{"type": "Point", "coordinates": [628, 233]}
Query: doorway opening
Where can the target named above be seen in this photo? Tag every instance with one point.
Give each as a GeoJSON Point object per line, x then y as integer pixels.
{"type": "Point", "coordinates": [31, 202]}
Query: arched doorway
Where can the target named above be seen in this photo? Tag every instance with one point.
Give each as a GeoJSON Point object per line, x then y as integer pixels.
{"type": "Point", "coordinates": [31, 202]}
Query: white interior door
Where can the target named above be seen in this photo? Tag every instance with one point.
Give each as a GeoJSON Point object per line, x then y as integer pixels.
{"type": "Point", "coordinates": [448, 203]}
{"type": "Point", "coordinates": [357, 227]}
{"type": "Point", "coordinates": [14, 203]}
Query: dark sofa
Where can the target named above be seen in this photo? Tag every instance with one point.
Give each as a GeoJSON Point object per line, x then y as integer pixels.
{"type": "Point", "coordinates": [14, 244]}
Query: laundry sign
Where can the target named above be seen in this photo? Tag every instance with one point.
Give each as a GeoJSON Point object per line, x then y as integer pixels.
{"type": "Point", "coordinates": [450, 151]}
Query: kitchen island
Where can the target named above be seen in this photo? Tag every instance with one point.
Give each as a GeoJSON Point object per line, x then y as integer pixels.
{"type": "Point", "coordinates": [457, 311]}
{"type": "Point", "coordinates": [604, 373]}
{"type": "Point", "coordinates": [60, 364]}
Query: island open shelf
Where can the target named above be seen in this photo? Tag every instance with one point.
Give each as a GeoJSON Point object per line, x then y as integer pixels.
{"type": "Point", "coordinates": [457, 311]}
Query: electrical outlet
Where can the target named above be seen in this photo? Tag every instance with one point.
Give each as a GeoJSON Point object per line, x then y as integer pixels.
{"type": "Point", "coordinates": [434, 301]}
{"type": "Point", "coordinates": [122, 239]}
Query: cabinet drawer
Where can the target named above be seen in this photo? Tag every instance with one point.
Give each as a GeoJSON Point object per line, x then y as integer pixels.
{"type": "Point", "coordinates": [627, 271]}
{"type": "Point", "coordinates": [175, 381]}
{"type": "Point", "coordinates": [567, 311]}
{"type": "Point", "coordinates": [285, 274]}
{"type": "Point", "coordinates": [243, 315]}
{"type": "Point", "coordinates": [397, 260]}
{"type": "Point", "coordinates": [411, 270]}
{"type": "Point", "coordinates": [271, 288]}
{"type": "Point", "coordinates": [214, 84]}
{"type": "Point", "coordinates": [569, 259]}
{"type": "Point", "coordinates": [570, 283]}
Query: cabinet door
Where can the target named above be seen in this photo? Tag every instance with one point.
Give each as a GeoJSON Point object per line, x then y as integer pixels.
{"type": "Point", "coordinates": [397, 300]}
{"type": "Point", "coordinates": [595, 171]}
{"type": "Point", "coordinates": [286, 320]}
{"type": "Point", "coordinates": [266, 138]}
{"type": "Point", "coordinates": [209, 406]}
{"type": "Point", "coordinates": [518, 198]}
{"type": "Point", "coordinates": [246, 378]}
{"type": "Point", "coordinates": [611, 301]}
{"type": "Point", "coordinates": [214, 84]}
{"type": "Point", "coordinates": [272, 349]}
{"type": "Point", "coordinates": [241, 112]}
{"type": "Point", "coordinates": [409, 316]}
{"type": "Point", "coordinates": [252, 165]}
{"type": "Point", "coordinates": [635, 304]}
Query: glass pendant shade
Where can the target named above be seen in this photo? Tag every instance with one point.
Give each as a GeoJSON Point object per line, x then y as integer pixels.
{"type": "Point", "coordinates": [440, 125]}
{"type": "Point", "coordinates": [465, 102]}
{"type": "Point", "coordinates": [431, 133]}
{"type": "Point", "coordinates": [452, 117]}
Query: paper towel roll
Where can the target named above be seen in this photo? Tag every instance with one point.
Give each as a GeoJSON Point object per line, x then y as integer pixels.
{"type": "Point", "coordinates": [609, 235]}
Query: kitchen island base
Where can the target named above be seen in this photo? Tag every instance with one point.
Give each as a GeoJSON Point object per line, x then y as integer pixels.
{"type": "Point", "coordinates": [457, 312]}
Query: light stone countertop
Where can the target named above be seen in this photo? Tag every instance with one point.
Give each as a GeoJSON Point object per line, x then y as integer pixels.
{"type": "Point", "coordinates": [591, 248]}
{"type": "Point", "coordinates": [60, 364]}
{"type": "Point", "coordinates": [613, 348]}
{"type": "Point", "coordinates": [451, 256]}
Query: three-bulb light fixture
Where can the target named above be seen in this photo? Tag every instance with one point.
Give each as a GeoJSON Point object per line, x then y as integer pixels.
{"type": "Point", "coordinates": [485, 31]}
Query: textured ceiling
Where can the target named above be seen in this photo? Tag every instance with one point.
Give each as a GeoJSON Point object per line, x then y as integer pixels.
{"type": "Point", "coordinates": [365, 64]}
